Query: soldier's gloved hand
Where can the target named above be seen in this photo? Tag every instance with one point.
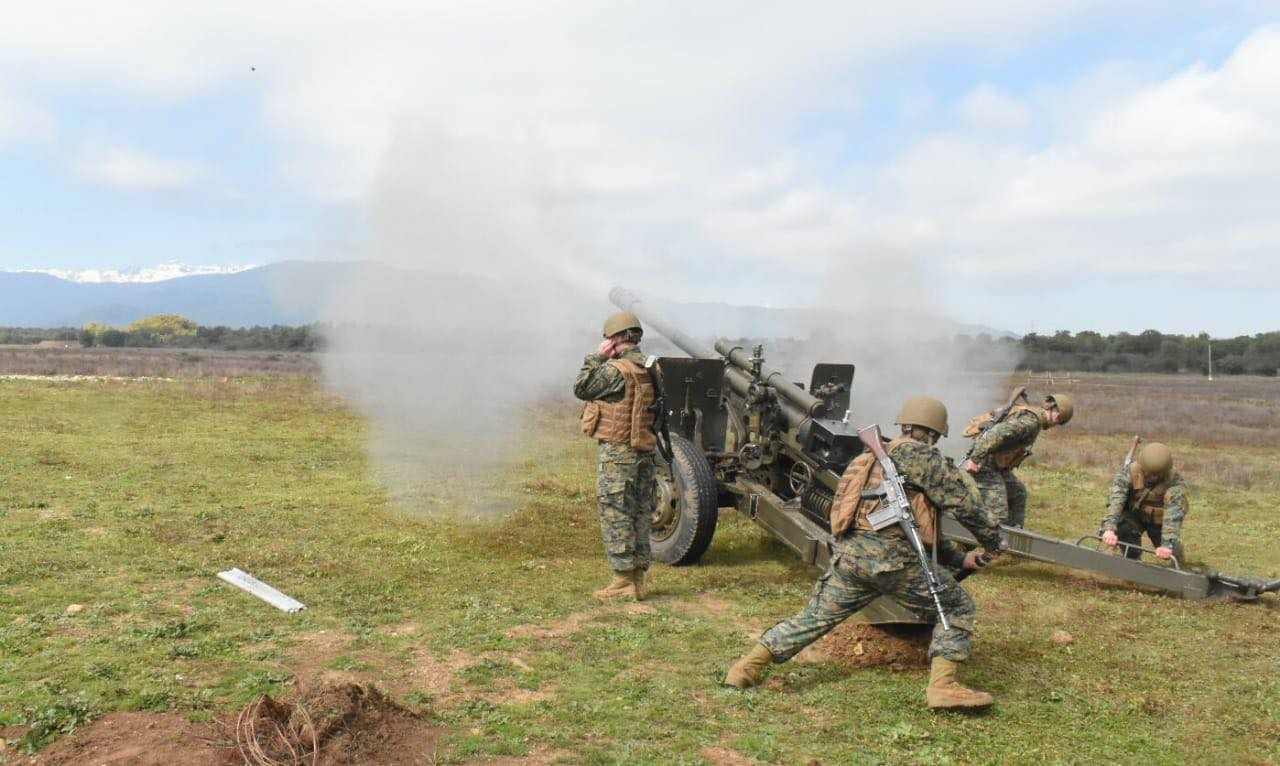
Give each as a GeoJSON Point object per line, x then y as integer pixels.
{"type": "Point", "coordinates": [606, 347]}
{"type": "Point", "coordinates": [973, 560]}
{"type": "Point", "coordinates": [1109, 537]}
{"type": "Point", "coordinates": [970, 466]}
{"type": "Point", "coordinates": [1164, 553]}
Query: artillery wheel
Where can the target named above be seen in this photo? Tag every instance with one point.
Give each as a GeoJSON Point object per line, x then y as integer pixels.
{"type": "Point", "coordinates": [684, 518]}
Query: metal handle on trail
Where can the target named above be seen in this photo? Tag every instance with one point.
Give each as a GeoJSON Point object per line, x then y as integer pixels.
{"type": "Point", "coordinates": [895, 496]}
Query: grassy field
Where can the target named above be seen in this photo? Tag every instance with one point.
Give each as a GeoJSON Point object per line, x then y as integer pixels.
{"type": "Point", "coordinates": [126, 498]}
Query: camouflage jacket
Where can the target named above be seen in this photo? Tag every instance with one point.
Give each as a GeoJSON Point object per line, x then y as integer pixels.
{"type": "Point", "coordinates": [924, 468]}
{"type": "Point", "coordinates": [597, 380]}
{"type": "Point", "coordinates": [1120, 503]}
{"type": "Point", "coordinates": [1018, 431]}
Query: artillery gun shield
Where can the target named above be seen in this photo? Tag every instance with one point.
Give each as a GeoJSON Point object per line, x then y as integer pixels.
{"type": "Point", "coordinates": [833, 384]}
{"type": "Point", "coordinates": [692, 390]}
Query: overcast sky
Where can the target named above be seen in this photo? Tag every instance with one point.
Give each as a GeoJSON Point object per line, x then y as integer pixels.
{"type": "Point", "coordinates": [1073, 165]}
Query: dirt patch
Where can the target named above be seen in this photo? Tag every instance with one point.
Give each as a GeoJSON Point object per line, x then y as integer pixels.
{"type": "Point", "coordinates": [723, 756]}
{"type": "Point", "coordinates": [312, 651]}
{"type": "Point", "coordinates": [403, 629]}
{"type": "Point", "coordinates": [559, 629]}
{"type": "Point", "coordinates": [333, 725]}
{"type": "Point", "coordinates": [575, 622]}
{"type": "Point", "coordinates": [141, 739]}
{"type": "Point", "coordinates": [861, 645]}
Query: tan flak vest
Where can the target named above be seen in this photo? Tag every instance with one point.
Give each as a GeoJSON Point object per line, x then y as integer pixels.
{"type": "Point", "coordinates": [629, 420]}
{"type": "Point", "coordinates": [1147, 503]}
{"type": "Point", "coordinates": [850, 508]}
{"type": "Point", "coordinates": [1009, 458]}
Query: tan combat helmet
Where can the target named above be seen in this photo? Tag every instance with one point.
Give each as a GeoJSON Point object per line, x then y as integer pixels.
{"type": "Point", "coordinates": [623, 320]}
{"type": "Point", "coordinates": [1156, 459]}
{"type": "Point", "coordinates": [924, 411]}
{"type": "Point", "coordinates": [1061, 403]}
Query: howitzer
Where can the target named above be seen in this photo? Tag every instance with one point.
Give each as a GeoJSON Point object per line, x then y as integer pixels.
{"type": "Point", "coordinates": [897, 510]}
{"type": "Point", "coordinates": [743, 436]}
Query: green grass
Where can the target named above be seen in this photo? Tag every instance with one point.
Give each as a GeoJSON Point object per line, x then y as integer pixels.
{"type": "Point", "coordinates": [128, 498]}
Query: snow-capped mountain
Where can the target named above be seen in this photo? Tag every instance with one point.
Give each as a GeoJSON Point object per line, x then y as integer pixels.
{"type": "Point", "coordinates": [138, 274]}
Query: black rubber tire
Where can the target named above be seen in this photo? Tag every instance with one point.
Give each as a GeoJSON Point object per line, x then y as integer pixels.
{"type": "Point", "coordinates": [695, 492]}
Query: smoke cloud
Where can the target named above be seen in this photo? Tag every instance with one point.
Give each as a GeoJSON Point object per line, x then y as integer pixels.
{"type": "Point", "coordinates": [481, 294]}
{"type": "Point", "coordinates": [469, 312]}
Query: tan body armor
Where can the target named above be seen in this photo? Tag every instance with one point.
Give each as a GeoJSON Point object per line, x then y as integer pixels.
{"type": "Point", "coordinates": [1147, 503]}
{"type": "Point", "coordinates": [1010, 458]}
{"type": "Point", "coordinates": [850, 508]}
{"type": "Point", "coordinates": [629, 420]}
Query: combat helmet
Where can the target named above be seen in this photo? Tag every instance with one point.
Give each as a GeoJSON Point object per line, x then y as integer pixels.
{"type": "Point", "coordinates": [1156, 459]}
{"type": "Point", "coordinates": [1061, 403]}
{"type": "Point", "coordinates": [623, 320]}
{"type": "Point", "coordinates": [924, 411]}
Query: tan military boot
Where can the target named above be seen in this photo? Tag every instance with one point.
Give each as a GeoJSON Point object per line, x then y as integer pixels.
{"type": "Point", "coordinates": [945, 694]}
{"type": "Point", "coordinates": [623, 586]}
{"type": "Point", "coordinates": [746, 671]}
{"type": "Point", "coordinates": [637, 577]}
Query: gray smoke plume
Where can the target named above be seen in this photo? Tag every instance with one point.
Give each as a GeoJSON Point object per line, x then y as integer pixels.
{"type": "Point", "coordinates": [478, 301]}
{"type": "Point", "coordinates": [469, 313]}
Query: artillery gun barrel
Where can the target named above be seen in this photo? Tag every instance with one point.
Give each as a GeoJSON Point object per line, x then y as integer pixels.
{"type": "Point", "coordinates": [628, 301]}
{"type": "Point", "coordinates": [799, 404]}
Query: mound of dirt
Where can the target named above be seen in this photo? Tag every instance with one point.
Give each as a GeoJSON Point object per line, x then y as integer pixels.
{"type": "Point", "coordinates": [347, 723]}
{"type": "Point", "coordinates": [860, 645]}
{"type": "Point", "coordinates": [329, 725]}
{"type": "Point", "coordinates": [140, 739]}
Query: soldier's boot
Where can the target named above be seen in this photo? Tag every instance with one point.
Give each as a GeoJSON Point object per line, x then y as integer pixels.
{"type": "Point", "coordinates": [637, 577]}
{"type": "Point", "coordinates": [746, 671]}
{"type": "Point", "coordinates": [945, 693]}
{"type": "Point", "coordinates": [623, 586]}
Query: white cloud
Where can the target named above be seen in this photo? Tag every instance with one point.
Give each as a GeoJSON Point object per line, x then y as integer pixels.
{"type": "Point", "coordinates": [22, 121]}
{"type": "Point", "coordinates": [131, 170]}
{"type": "Point", "coordinates": [990, 108]}
{"type": "Point", "coordinates": [1176, 177]}
{"type": "Point", "coordinates": [669, 130]}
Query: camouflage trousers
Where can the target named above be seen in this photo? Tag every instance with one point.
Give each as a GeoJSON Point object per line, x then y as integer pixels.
{"type": "Point", "coordinates": [1130, 529]}
{"type": "Point", "coordinates": [1003, 495]}
{"type": "Point", "coordinates": [626, 488]}
{"type": "Point", "coordinates": [864, 567]}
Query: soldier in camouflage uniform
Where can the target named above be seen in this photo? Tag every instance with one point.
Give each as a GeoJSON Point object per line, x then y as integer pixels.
{"type": "Point", "coordinates": [1147, 496]}
{"type": "Point", "coordinates": [615, 383]}
{"type": "Point", "coordinates": [867, 564]}
{"type": "Point", "coordinates": [1003, 447]}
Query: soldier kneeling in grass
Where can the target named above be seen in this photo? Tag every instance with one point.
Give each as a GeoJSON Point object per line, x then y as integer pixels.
{"type": "Point", "coordinates": [868, 562]}
{"type": "Point", "coordinates": [1148, 496]}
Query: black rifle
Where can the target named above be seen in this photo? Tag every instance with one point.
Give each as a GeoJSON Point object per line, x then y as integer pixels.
{"type": "Point", "coordinates": [897, 510]}
{"type": "Point", "coordinates": [1018, 393]}
{"type": "Point", "coordinates": [659, 408]}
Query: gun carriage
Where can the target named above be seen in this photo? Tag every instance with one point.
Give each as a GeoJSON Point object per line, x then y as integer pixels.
{"type": "Point", "coordinates": [742, 435]}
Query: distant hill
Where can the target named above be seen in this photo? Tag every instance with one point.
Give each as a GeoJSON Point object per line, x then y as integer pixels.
{"type": "Point", "coordinates": [297, 292]}
{"type": "Point", "coordinates": [290, 292]}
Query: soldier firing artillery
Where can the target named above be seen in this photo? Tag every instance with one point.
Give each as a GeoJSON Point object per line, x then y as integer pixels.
{"type": "Point", "coordinates": [620, 393]}
{"type": "Point", "coordinates": [1148, 496]}
{"type": "Point", "coordinates": [1002, 439]}
{"type": "Point", "coordinates": [884, 514]}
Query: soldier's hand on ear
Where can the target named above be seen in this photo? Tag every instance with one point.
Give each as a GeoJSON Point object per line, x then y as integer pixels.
{"type": "Point", "coordinates": [607, 347]}
{"type": "Point", "coordinates": [1109, 538]}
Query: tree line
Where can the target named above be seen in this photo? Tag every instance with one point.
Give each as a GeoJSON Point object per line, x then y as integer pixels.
{"type": "Point", "coordinates": [174, 331]}
{"type": "Point", "coordinates": [1086, 351]}
{"type": "Point", "coordinates": [1150, 351]}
